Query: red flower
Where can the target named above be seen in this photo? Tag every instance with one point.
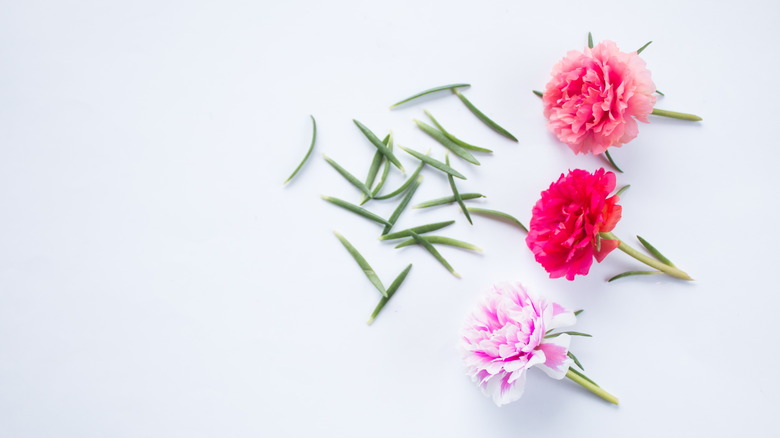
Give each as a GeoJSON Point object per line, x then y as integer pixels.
{"type": "Point", "coordinates": [567, 220]}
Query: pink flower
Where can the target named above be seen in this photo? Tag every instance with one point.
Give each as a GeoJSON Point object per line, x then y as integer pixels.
{"type": "Point", "coordinates": [564, 230]}
{"type": "Point", "coordinates": [593, 98]}
{"type": "Point", "coordinates": [505, 337]}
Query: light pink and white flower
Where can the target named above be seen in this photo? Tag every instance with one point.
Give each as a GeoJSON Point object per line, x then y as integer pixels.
{"type": "Point", "coordinates": [505, 337]}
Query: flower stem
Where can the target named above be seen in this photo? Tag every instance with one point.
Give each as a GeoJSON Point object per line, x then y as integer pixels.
{"type": "Point", "coordinates": [591, 387]}
{"type": "Point", "coordinates": [649, 261]}
{"type": "Point", "coordinates": [676, 115]}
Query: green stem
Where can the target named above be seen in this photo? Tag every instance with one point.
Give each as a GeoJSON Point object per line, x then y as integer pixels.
{"type": "Point", "coordinates": [675, 115]}
{"type": "Point", "coordinates": [649, 261]}
{"type": "Point", "coordinates": [591, 387]}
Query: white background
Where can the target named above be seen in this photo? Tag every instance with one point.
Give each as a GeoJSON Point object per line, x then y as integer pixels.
{"type": "Point", "coordinates": [156, 278]}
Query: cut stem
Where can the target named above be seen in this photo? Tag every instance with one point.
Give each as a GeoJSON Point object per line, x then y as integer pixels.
{"type": "Point", "coordinates": [675, 115]}
{"type": "Point", "coordinates": [591, 387]}
{"type": "Point", "coordinates": [649, 261]}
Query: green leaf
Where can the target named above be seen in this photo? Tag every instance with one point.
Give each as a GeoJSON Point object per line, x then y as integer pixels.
{"type": "Point", "coordinates": [433, 163]}
{"type": "Point", "coordinates": [659, 92]}
{"type": "Point", "coordinates": [611, 161]}
{"type": "Point", "coordinates": [630, 273]}
{"type": "Point", "coordinates": [379, 145]}
{"type": "Point", "coordinates": [481, 116]}
{"type": "Point", "coordinates": [654, 252]}
{"type": "Point", "coordinates": [448, 200]}
{"type": "Point", "coordinates": [455, 193]}
{"type": "Point", "coordinates": [441, 240]}
{"type": "Point", "coordinates": [446, 142]}
{"type": "Point", "coordinates": [419, 230]}
{"type": "Point", "coordinates": [403, 187]}
{"type": "Point", "coordinates": [579, 373]}
{"type": "Point", "coordinates": [429, 91]}
{"type": "Point", "coordinates": [402, 205]}
{"type": "Point", "coordinates": [643, 47]}
{"type": "Point", "coordinates": [590, 40]}
{"type": "Point", "coordinates": [576, 361]}
{"type": "Point", "coordinates": [373, 170]}
{"type": "Point", "coordinates": [390, 292]}
{"type": "Point", "coordinates": [308, 153]}
{"type": "Point", "coordinates": [538, 93]}
{"type": "Point", "coordinates": [577, 313]}
{"type": "Point", "coordinates": [348, 176]}
{"type": "Point", "coordinates": [554, 335]}
{"type": "Point", "coordinates": [498, 214]}
{"type": "Point", "coordinates": [361, 261]}
{"type": "Point", "coordinates": [676, 115]}
{"type": "Point", "coordinates": [382, 179]}
{"type": "Point", "coordinates": [422, 242]}
{"type": "Point", "coordinates": [622, 189]}
{"type": "Point", "coordinates": [455, 140]}
{"type": "Point", "coordinates": [355, 209]}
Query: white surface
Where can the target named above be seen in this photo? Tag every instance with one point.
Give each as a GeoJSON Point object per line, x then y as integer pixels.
{"type": "Point", "coordinates": [156, 279]}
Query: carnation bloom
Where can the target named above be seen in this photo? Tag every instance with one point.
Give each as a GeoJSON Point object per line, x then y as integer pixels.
{"type": "Point", "coordinates": [595, 97]}
{"type": "Point", "coordinates": [564, 230]}
{"type": "Point", "coordinates": [505, 336]}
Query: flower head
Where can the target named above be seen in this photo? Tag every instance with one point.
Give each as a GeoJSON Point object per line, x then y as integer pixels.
{"type": "Point", "coordinates": [595, 96]}
{"type": "Point", "coordinates": [505, 336]}
{"type": "Point", "coordinates": [566, 222]}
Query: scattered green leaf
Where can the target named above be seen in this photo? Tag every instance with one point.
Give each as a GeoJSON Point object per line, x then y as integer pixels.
{"type": "Point", "coordinates": [456, 140]}
{"type": "Point", "coordinates": [379, 145]}
{"type": "Point", "coordinates": [630, 273]}
{"type": "Point", "coordinates": [481, 116]}
{"type": "Point", "coordinates": [622, 189]}
{"type": "Point", "coordinates": [538, 93]}
{"type": "Point", "coordinates": [403, 187]}
{"type": "Point", "coordinates": [433, 162]}
{"type": "Point", "coordinates": [643, 47]}
{"type": "Point", "coordinates": [554, 335]}
{"type": "Point", "coordinates": [446, 142]}
{"type": "Point", "coordinates": [402, 205]}
{"type": "Point", "coordinates": [390, 292]}
{"type": "Point", "coordinates": [498, 214]}
{"type": "Point", "coordinates": [654, 252]}
{"type": "Point", "coordinates": [373, 170]}
{"type": "Point", "coordinates": [435, 253]}
{"type": "Point", "coordinates": [311, 148]}
{"type": "Point", "coordinates": [441, 240]}
{"type": "Point", "coordinates": [348, 176]}
{"type": "Point", "coordinates": [356, 209]}
{"type": "Point", "coordinates": [576, 361]}
{"type": "Point", "coordinates": [429, 91]}
{"type": "Point", "coordinates": [448, 200]}
{"type": "Point", "coordinates": [455, 193]}
{"type": "Point", "coordinates": [590, 40]}
{"type": "Point", "coordinates": [427, 228]}
{"type": "Point", "coordinates": [382, 179]}
{"type": "Point", "coordinates": [361, 261]}
{"type": "Point", "coordinates": [611, 161]}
